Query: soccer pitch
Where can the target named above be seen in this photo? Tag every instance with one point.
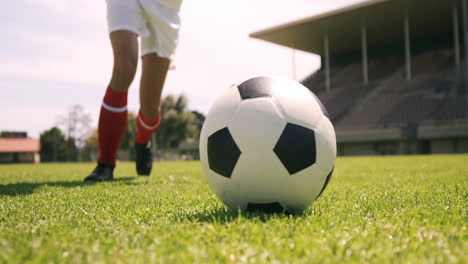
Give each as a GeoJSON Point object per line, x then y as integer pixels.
{"type": "Point", "coordinates": [402, 209]}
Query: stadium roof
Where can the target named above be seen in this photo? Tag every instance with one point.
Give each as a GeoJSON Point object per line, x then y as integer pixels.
{"type": "Point", "coordinates": [382, 18]}
{"type": "Point", "coordinates": [19, 145]}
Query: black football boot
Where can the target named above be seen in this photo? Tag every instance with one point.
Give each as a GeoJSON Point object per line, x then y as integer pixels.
{"type": "Point", "coordinates": [102, 172]}
{"type": "Point", "coordinates": [144, 159]}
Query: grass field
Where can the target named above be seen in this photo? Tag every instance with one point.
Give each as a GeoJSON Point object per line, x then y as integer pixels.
{"type": "Point", "coordinates": [406, 209]}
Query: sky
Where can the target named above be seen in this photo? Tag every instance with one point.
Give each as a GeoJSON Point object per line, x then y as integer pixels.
{"type": "Point", "coordinates": [55, 54]}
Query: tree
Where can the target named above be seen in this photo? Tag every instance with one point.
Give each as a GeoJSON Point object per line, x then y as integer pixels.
{"type": "Point", "coordinates": [91, 147]}
{"type": "Point", "coordinates": [76, 124]}
{"type": "Point", "coordinates": [177, 123]}
{"type": "Point", "coordinates": [55, 147]}
{"type": "Point", "coordinates": [198, 121]}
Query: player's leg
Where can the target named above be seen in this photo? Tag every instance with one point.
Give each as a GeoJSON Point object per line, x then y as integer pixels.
{"type": "Point", "coordinates": [113, 114]}
{"type": "Point", "coordinates": [154, 70]}
{"type": "Point", "coordinates": [125, 51]}
{"type": "Point", "coordinates": [157, 49]}
{"type": "Point", "coordinates": [153, 76]}
{"type": "Point", "coordinates": [125, 23]}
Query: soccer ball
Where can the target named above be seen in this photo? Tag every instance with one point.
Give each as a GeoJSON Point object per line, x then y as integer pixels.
{"type": "Point", "coordinates": [268, 144]}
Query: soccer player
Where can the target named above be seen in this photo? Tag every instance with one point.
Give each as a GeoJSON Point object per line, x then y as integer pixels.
{"type": "Point", "coordinates": [157, 23]}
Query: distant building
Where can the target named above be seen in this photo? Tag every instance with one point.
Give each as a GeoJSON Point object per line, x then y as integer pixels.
{"type": "Point", "coordinates": [16, 147]}
{"type": "Point", "coordinates": [394, 73]}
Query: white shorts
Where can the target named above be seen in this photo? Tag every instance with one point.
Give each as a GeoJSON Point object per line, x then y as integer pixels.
{"type": "Point", "coordinates": [157, 22]}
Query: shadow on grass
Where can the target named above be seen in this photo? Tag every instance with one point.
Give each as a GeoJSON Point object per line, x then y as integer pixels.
{"type": "Point", "coordinates": [225, 216]}
{"type": "Point", "coordinates": [25, 188]}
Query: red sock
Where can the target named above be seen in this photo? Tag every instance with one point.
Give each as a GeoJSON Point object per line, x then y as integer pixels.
{"type": "Point", "coordinates": [145, 127]}
{"type": "Point", "coordinates": [112, 122]}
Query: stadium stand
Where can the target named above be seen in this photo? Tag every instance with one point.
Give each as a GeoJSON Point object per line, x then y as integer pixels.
{"type": "Point", "coordinates": [415, 97]}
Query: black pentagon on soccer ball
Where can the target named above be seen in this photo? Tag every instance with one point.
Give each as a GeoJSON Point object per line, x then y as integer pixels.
{"type": "Point", "coordinates": [256, 87]}
{"type": "Point", "coordinates": [223, 152]}
{"type": "Point", "coordinates": [296, 148]}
